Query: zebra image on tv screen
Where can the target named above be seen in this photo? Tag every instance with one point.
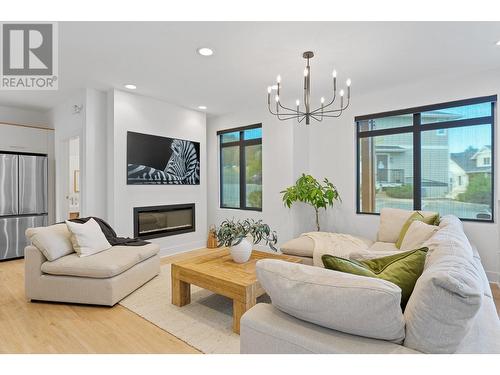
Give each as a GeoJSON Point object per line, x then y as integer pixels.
{"type": "Point", "coordinates": [154, 160]}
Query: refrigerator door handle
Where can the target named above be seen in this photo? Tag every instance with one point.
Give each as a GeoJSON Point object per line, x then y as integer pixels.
{"type": "Point", "coordinates": [32, 184]}
{"type": "Point", "coordinates": [9, 204]}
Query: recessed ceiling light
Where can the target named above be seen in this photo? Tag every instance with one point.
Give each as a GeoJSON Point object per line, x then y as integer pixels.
{"type": "Point", "coordinates": [205, 51]}
{"type": "Point", "coordinates": [498, 43]}
{"type": "Point", "coordinates": [202, 107]}
{"type": "Point", "coordinates": [130, 86]}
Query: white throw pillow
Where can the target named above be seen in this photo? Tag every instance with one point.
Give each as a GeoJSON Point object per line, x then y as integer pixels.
{"type": "Point", "coordinates": [392, 221]}
{"type": "Point", "coordinates": [53, 241]}
{"type": "Point", "coordinates": [358, 305]}
{"type": "Point", "coordinates": [87, 239]}
{"type": "Point", "coordinates": [448, 295]}
{"type": "Point", "coordinates": [418, 232]}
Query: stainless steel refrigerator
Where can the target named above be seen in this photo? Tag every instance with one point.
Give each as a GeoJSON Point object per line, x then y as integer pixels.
{"type": "Point", "coordinates": [23, 200]}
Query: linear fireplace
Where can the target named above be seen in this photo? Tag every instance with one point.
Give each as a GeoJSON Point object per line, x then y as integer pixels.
{"type": "Point", "coordinates": [161, 221]}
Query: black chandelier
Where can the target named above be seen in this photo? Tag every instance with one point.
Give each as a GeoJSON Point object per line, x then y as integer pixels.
{"type": "Point", "coordinates": [325, 110]}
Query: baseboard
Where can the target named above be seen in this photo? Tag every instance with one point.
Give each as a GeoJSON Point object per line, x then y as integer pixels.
{"type": "Point", "coordinates": [178, 249]}
{"type": "Point", "coordinates": [493, 277]}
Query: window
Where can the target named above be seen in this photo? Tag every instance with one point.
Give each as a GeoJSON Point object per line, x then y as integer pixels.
{"type": "Point", "coordinates": [433, 158]}
{"type": "Point", "coordinates": [441, 132]}
{"type": "Point", "coordinates": [241, 168]}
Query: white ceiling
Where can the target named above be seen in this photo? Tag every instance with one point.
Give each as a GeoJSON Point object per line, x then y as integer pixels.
{"type": "Point", "coordinates": [161, 58]}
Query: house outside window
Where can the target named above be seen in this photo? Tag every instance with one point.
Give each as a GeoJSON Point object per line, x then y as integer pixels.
{"type": "Point", "coordinates": [433, 158]}
{"type": "Point", "coordinates": [240, 155]}
{"type": "Point", "coordinates": [441, 132]}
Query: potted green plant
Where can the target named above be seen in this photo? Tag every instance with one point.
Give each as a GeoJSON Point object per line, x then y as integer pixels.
{"type": "Point", "coordinates": [309, 190]}
{"type": "Point", "coordinates": [241, 235]}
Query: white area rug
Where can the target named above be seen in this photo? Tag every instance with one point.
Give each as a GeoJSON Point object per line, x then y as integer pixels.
{"type": "Point", "coordinates": [206, 323]}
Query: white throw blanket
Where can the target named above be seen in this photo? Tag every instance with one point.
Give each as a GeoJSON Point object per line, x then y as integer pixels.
{"type": "Point", "coordinates": [338, 244]}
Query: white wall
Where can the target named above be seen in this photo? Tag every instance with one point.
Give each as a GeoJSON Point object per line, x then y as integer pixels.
{"type": "Point", "coordinates": [333, 153]}
{"type": "Point", "coordinates": [90, 126]}
{"type": "Point", "coordinates": [328, 149]}
{"type": "Point", "coordinates": [25, 116]}
{"type": "Point", "coordinates": [129, 112]}
{"type": "Point", "coordinates": [94, 193]}
{"type": "Point", "coordinates": [277, 169]}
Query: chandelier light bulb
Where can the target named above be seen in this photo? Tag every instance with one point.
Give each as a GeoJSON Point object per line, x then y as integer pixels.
{"type": "Point", "coordinates": [305, 109]}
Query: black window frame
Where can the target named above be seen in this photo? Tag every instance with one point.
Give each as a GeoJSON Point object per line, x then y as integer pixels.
{"type": "Point", "coordinates": [242, 143]}
{"type": "Point", "coordinates": [417, 128]}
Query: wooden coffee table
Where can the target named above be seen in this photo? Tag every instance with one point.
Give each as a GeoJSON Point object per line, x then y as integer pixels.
{"type": "Point", "coordinates": [215, 270]}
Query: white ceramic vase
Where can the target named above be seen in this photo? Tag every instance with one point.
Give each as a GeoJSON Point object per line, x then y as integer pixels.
{"type": "Point", "coordinates": [242, 252]}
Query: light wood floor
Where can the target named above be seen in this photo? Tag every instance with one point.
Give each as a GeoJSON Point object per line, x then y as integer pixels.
{"type": "Point", "coordinates": [38, 327]}
{"type": "Point", "coordinates": [27, 327]}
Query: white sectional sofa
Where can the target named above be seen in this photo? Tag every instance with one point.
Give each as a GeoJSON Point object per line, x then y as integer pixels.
{"type": "Point", "coordinates": [451, 309]}
{"type": "Point", "coordinates": [100, 279]}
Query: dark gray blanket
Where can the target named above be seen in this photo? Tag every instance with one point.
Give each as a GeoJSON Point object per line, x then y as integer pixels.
{"type": "Point", "coordinates": [110, 234]}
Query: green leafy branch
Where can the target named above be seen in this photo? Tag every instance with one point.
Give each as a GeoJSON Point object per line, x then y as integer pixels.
{"type": "Point", "coordinates": [309, 190]}
{"type": "Point", "coordinates": [231, 232]}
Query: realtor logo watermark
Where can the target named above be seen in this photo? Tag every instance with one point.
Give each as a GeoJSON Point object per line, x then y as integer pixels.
{"type": "Point", "coordinates": [29, 56]}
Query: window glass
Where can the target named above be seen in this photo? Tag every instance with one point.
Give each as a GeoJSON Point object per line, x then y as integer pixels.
{"type": "Point", "coordinates": [457, 113]}
{"type": "Point", "coordinates": [386, 172]}
{"type": "Point", "coordinates": [230, 165]}
{"type": "Point", "coordinates": [386, 123]}
{"type": "Point", "coordinates": [252, 134]}
{"type": "Point", "coordinates": [456, 162]}
{"type": "Point", "coordinates": [241, 169]}
{"type": "Point", "coordinates": [230, 137]}
{"type": "Point", "coordinates": [253, 159]}
{"type": "Point", "coordinates": [457, 173]}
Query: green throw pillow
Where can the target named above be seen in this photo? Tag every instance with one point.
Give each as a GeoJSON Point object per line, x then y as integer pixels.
{"type": "Point", "coordinates": [401, 269]}
{"type": "Point", "coordinates": [437, 220]}
{"type": "Point", "coordinates": [416, 216]}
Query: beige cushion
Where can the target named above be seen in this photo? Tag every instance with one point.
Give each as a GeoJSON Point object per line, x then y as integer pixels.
{"type": "Point", "coordinates": [392, 221]}
{"type": "Point", "coordinates": [348, 303]}
{"type": "Point", "coordinates": [376, 250]}
{"type": "Point", "coordinates": [105, 264]}
{"type": "Point", "coordinates": [302, 246]}
{"type": "Point", "coordinates": [383, 247]}
{"type": "Point", "coordinates": [53, 241]}
{"type": "Point", "coordinates": [267, 330]}
{"type": "Point", "coordinates": [87, 238]}
{"type": "Point", "coordinates": [449, 239]}
{"type": "Point", "coordinates": [418, 232]}
{"type": "Point", "coordinates": [108, 291]}
{"type": "Point", "coordinates": [447, 296]}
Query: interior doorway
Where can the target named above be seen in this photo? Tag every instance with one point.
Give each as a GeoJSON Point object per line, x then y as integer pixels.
{"type": "Point", "coordinates": [72, 197]}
